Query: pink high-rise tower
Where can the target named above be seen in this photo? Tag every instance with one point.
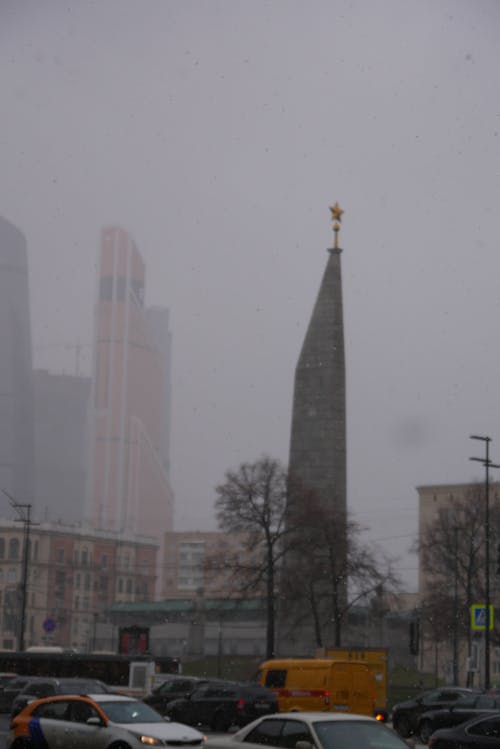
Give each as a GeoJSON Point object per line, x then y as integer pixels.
{"type": "Point", "coordinates": [129, 489]}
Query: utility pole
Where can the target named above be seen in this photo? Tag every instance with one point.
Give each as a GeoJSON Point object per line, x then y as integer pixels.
{"type": "Point", "coordinates": [455, 605]}
{"type": "Point", "coordinates": [24, 515]}
{"type": "Point", "coordinates": [486, 462]}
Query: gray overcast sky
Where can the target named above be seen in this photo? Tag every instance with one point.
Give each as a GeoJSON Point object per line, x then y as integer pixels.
{"type": "Point", "coordinates": [218, 133]}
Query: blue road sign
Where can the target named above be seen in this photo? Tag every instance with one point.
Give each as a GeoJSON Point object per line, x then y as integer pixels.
{"type": "Point", "coordinates": [49, 625]}
{"type": "Point", "coordinates": [479, 617]}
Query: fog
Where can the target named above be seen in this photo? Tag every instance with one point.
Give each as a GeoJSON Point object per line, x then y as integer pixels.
{"type": "Point", "coordinates": [218, 133]}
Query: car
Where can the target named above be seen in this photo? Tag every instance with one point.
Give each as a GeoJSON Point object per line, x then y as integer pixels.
{"type": "Point", "coordinates": [478, 733]}
{"type": "Point", "coordinates": [405, 715]}
{"type": "Point", "coordinates": [46, 686]}
{"type": "Point", "coordinates": [221, 704]}
{"type": "Point", "coordinates": [313, 729]}
{"type": "Point", "coordinates": [173, 688]}
{"type": "Point", "coordinates": [96, 721]}
{"type": "Point", "coordinates": [10, 690]}
{"type": "Point", "coordinates": [463, 710]}
{"type": "Point", "coordinates": [6, 677]}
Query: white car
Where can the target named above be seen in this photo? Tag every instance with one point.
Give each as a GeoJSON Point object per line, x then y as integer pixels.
{"type": "Point", "coordinates": [313, 731]}
{"type": "Point", "coordinates": [96, 721]}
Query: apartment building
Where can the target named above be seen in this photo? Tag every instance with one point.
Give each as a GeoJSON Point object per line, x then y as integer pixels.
{"type": "Point", "coordinates": [201, 562]}
{"type": "Point", "coordinates": [70, 578]}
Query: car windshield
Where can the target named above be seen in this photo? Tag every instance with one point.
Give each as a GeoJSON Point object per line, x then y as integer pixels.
{"type": "Point", "coordinates": [350, 734]}
{"type": "Point", "coordinates": [132, 711]}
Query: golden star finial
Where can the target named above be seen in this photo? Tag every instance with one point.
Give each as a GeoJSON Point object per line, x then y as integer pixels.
{"type": "Point", "coordinates": [336, 212]}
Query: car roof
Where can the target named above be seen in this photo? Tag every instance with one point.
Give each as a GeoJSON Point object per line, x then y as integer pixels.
{"type": "Point", "coordinates": [321, 717]}
{"type": "Point", "coordinates": [111, 698]}
{"type": "Point", "coordinates": [98, 698]}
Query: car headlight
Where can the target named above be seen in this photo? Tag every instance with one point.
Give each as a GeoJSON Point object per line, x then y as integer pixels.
{"type": "Point", "coordinates": [150, 740]}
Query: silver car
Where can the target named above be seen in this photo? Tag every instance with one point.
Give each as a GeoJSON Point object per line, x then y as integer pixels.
{"type": "Point", "coordinates": [97, 721]}
{"type": "Point", "coordinates": [313, 730]}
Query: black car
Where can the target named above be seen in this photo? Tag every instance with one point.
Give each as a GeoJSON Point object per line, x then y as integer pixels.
{"type": "Point", "coordinates": [42, 686]}
{"type": "Point", "coordinates": [479, 733]}
{"type": "Point", "coordinates": [463, 710]}
{"type": "Point", "coordinates": [222, 704]}
{"type": "Point", "coordinates": [406, 715]}
{"type": "Point", "coordinates": [173, 688]}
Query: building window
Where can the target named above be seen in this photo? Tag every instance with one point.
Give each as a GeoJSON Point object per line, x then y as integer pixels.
{"type": "Point", "coordinates": [86, 582]}
{"type": "Point", "coordinates": [104, 561]}
{"type": "Point", "coordinates": [84, 557]}
{"type": "Point", "coordinates": [129, 585]}
{"type": "Point", "coordinates": [2, 548]}
{"type": "Point", "coordinates": [60, 583]}
{"type": "Point", "coordinates": [60, 555]}
{"type": "Point", "coordinates": [12, 575]}
{"type": "Point", "coordinates": [120, 585]}
{"type": "Point", "coordinates": [14, 548]}
{"type": "Point", "coordinates": [35, 550]}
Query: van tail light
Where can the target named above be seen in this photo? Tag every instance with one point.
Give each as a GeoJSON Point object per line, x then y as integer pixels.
{"type": "Point", "coordinates": [326, 698]}
{"type": "Point", "coordinates": [240, 705]}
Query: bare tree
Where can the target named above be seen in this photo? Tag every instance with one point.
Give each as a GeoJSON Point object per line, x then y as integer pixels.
{"type": "Point", "coordinates": [337, 571]}
{"type": "Point", "coordinates": [452, 551]}
{"type": "Point", "coordinates": [328, 570]}
{"type": "Point", "coordinates": [253, 500]}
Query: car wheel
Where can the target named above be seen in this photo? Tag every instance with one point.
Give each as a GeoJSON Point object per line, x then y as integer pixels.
{"type": "Point", "coordinates": [22, 744]}
{"type": "Point", "coordinates": [403, 726]}
{"type": "Point", "coordinates": [425, 731]}
{"type": "Point", "coordinates": [119, 745]}
{"type": "Point", "coordinates": [221, 722]}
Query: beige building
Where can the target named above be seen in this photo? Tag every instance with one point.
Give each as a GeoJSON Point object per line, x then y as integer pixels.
{"type": "Point", "coordinates": [72, 578]}
{"type": "Point", "coordinates": [186, 570]}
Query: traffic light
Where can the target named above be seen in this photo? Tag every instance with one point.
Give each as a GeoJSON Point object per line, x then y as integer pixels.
{"type": "Point", "coordinates": [497, 559]}
{"type": "Point", "coordinates": [414, 636]}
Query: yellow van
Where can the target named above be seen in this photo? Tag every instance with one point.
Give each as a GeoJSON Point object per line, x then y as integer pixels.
{"type": "Point", "coordinates": [376, 660]}
{"type": "Point", "coordinates": [320, 684]}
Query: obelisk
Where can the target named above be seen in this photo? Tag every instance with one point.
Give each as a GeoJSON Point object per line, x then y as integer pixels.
{"type": "Point", "coordinates": [318, 433]}
{"type": "Point", "coordinates": [317, 461]}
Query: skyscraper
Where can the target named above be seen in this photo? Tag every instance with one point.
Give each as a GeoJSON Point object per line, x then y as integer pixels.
{"type": "Point", "coordinates": [16, 387]}
{"type": "Point", "coordinates": [61, 445]}
{"type": "Point", "coordinates": [129, 490]}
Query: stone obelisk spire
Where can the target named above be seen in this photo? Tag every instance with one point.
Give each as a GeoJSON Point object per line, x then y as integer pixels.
{"type": "Point", "coordinates": [317, 466]}
{"type": "Point", "coordinates": [318, 434]}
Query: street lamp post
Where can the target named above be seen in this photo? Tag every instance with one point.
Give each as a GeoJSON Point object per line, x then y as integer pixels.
{"type": "Point", "coordinates": [486, 462]}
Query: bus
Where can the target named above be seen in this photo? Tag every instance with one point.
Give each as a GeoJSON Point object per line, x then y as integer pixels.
{"type": "Point", "coordinates": [112, 668]}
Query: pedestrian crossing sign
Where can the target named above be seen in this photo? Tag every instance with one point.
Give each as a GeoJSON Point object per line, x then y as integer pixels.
{"type": "Point", "coordinates": [479, 616]}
